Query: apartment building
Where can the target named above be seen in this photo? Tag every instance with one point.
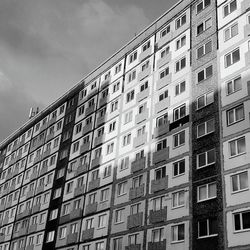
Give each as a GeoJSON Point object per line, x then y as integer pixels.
{"type": "Point", "coordinates": [149, 151]}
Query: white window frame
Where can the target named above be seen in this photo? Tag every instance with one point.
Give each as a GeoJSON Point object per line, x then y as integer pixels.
{"type": "Point", "coordinates": [228, 5]}
{"type": "Point", "coordinates": [207, 192]}
{"type": "Point", "coordinates": [206, 49]}
{"type": "Point", "coordinates": [230, 55]}
{"type": "Point", "coordinates": [230, 30]}
{"type": "Point", "coordinates": [206, 132]}
{"type": "Point", "coordinates": [206, 158]}
{"type": "Point", "coordinates": [234, 110]}
{"type": "Point", "coordinates": [238, 180]}
{"type": "Point", "coordinates": [236, 146]}
{"type": "Point", "coordinates": [208, 99]}
{"type": "Point", "coordinates": [208, 231]}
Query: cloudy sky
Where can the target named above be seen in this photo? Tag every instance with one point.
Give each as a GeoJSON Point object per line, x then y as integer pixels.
{"type": "Point", "coordinates": [46, 46]}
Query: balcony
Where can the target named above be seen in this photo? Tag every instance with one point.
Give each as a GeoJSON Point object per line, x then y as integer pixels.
{"type": "Point", "coordinates": [76, 213]}
{"type": "Point", "coordinates": [143, 74]}
{"type": "Point", "coordinates": [79, 190]}
{"type": "Point", "coordinates": [30, 247]}
{"type": "Point", "coordinates": [81, 169]}
{"type": "Point", "coordinates": [2, 207]}
{"type": "Point", "coordinates": [91, 208]}
{"type": "Point", "coordinates": [160, 245]}
{"type": "Point", "coordinates": [99, 140]}
{"type": "Point", "coordinates": [135, 220]}
{"type": "Point", "coordinates": [247, 58]}
{"type": "Point", "coordinates": [140, 140]}
{"type": "Point", "coordinates": [105, 82]}
{"type": "Point", "coordinates": [90, 110]}
{"type": "Point", "coordinates": [158, 215]}
{"type": "Point", "coordinates": [145, 53]}
{"type": "Point", "coordinates": [30, 193]}
{"type": "Point", "coordinates": [165, 39]}
{"type": "Point", "coordinates": [23, 231]}
{"type": "Point", "coordinates": [164, 81]}
{"type": "Point", "coordinates": [160, 184]}
{"type": "Point", "coordinates": [88, 234]}
{"type": "Point", "coordinates": [161, 155]}
{"type": "Point", "coordinates": [94, 184]}
{"type": "Point", "coordinates": [39, 189]}
{"type": "Point", "coordinates": [247, 30]}
{"type": "Point", "coordinates": [161, 130]}
{"type": "Point", "coordinates": [46, 153]}
{"type": "Point", "coordinates": [52, 120]}
{"type": "Point", "coordinates": [44, 170]}
{"type": "Point", "coordinates": [65, 218]}
{"type": "Point", "coordinates": [85, 147]}
{"type": "Point", "coordinates": [86, 129]}
{"type": "Point", "coordinates": [142, 116]}
{"type": "Point", "coordinates": [96, 162]}
{"type": "Point", "coordinates": [133, 247]}
{"type": "Point", "coordinates": [32, 228]}
{"type": "Point", "coordinates": [103, 101]}
{"type": "Point", "coordinates": [142, 95]}
{"type": "Point", "coordinates": [2, 238]}
{"type": "Point", "coordinates": [136, 192]}
{"type": "Point", "coordinates": [100, 120]}
{"type": "Point", "coordinates": [72, 238]}
{"type": "Point", "coordinates": [5, 220]}
{"type": "Point", "coordinates": [163, 104]}
{"type": "Point", "coordinates": [245, 6]}
{"type": "Point", "coordinates": [138, 165]}
{"type": "Point", "coordinates": [34, 175]}
{"type": "Point", "coordinates": [164, 60]}
{"type": "Point", "coordinates": [36, 208]}
{"type": "Point", "coordinates": [50, 136]}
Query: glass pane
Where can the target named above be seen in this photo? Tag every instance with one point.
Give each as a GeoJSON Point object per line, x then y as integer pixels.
{"type": "Point", "coordinates": [233, 6]}
{"type": "Point", "coordinates": [202, 193]}
{"type": "Point", "coordinates": [239, 113]}
{"type": "Point", "coordinates": [181, 198]}
{"type": "Point", "coordinates": [201, 130]}
{"type": "Point", "coordinates": [201, 102]}
{"type": "Point", "coordinates": [234, 30]}
{"type": "Point", "coordinates": [203, 228]}
{"type": "Point", "coordinates": [241, 145]}
{"type": "Point", "coordinates": [181, 232]}
{"type": "Point", "coordinates": [230, 116]}
{"type": "Point", "coordinates": [210, 126]}
{"type": "Point", "coordinates": [182, 167]}
{"type": "Point", "coordinates": [202, 160]}
{"type": "Point", "coordinates": [201, 76]}
{"type": "Point", "coordinates": [237, 84]}
{"type": "Point", "coordinates": [211, 156]}
{"type": "Point", "coordinates": [182, 137]}
{"type": "Point", "coordinates": [246, 220]}
{"type": "Point", "coordinates": [213, 226]}
{"type": "Point", "coordinates": [236, 56]}
{"type": "Point", "coordinates": [243, 180]}
{"type": "Point", "coordinates": [230, 87]}
{"type": "Point", "coordinates": [212, 190]}
{"type": "Point", "coordinates": [227, 34]}
{"type": "Point", "coordinates": [175, 204]}
{"type": "Point", "coordinates": [232, 148]}
{"type": "Point", "coordinates": [209, 71]}
{"type": "Point", "coordinates": [237, 221]}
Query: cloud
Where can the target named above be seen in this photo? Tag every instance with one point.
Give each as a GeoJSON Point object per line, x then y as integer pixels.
{"type": "Point", "coordinates": [14, 106]}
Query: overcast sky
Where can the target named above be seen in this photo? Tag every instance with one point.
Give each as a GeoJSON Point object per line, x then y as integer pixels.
{"type": "Point", "coordinates": [46, 46]}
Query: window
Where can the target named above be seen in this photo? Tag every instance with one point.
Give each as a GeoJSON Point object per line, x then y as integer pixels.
{"type": "Point", "coordinates": [99, 246]}
{"type": "Point", "coordinates": [204, 26]}
{"type": "Point", "coordinates": [207, 192]}
{"type": "Point", "coordinates": [112, 126]}
{"type": "Point", "coordinates": [142, 108]}
{"type": "Point", "coordinates": [107, 171]}
{"type": "Point", "coordinates": [242, 221]}
{"type": "Point", "coordinates": [89, 223]}
{"type": "Point", "coordinates": [180, 88]}
{"type": "Point", "coordinates": [164, 72]}
{"type": "Point", "coordinates": [205, 73]}
{"type": "Point", "coordinates": [65, 209]}
{"type": "Point", "coordinates": [233, 85]}
{"type": "Point", "coordinates": [117, 244]}
{"type": "Point", "coordinates": [207, 228]}
{"type": "Point", "coordinates": [83, 93]}
{"type": "Point", "coordinates": [232, 57]}
{"type": "Point", "coordinates": [178, 199]}
{"type": "Point", "coordinates": [160, 173]}
{"type": "Point", "coordinates": [137, 181]}
{"type": "Point", "coordinates": [131, 76]}
{"type": "Point", "coordinates": [179, 168]}
{"type": "Point", "coordinates": [235, 115]}
{"type": "Point", "coordinates": [229, 8]}
{"type": "Point", "coordinates": [180, 112]}
{"type": "Point", "coordinates": [75, 147]}
{"type": "Point", "coordinates": [119, 215]}
{"type": "Point", "coordinates": [157, 235]}
{"type": "Point", "coordinates": [135, 209]}
{"type": "Point", "coordinates": [181, 64]}
{"type": "Point", "coordinates": [239, 181]}
{"type": "Point", "coordinates": [161, 121]}
{"type": "Point", "coordinates": [237, 147]}
{"type": "Point", "coordinates": [178, 232]}
{"type": "Point", "coordinates": [116, 87]}
{"type": "Point", "coordinates": [181, 42]}
{"type": "Point", "coordinates": [102, 221]}
{"type": "Point", "coordinates": [62, 232]}
{"type": "Point", "coordinates": [202, 5]}
{"type": "Point", "coordinates": [50, 236]}
{"type": "Point", "coordinates": [133, 239]}
{"type": "Point", "coordinates": [231, 32]}
{"type": "Point", "coordinates": [145, 66]}
{"type": "Point", "coordinates": [161, 145]}
{"type": "Point", "coordinates": [53, 214]}
{"type": "Point", "coordinates": [124, 163]}
{"type": "Point", "coordinates": [205, 128]}
{"type": "Point", "coordinates": [205, 100]}
{"type": "Point", "coordinates": [141, 131]}
{"type": "Point", "coordinates": [179, 139]}
{"type": "Point", "coordinates": [204, 49]}
{"type": "Point", "coordinates": [118, 68]}
{"type": "Point", "coordinates": [57, 193]}
{"type": "Point", "coordinates": [158, 203]}
{"type": "Point", "coordinates": [146, 46]}
{"type": "Point", "coordinates": [104, 195]}
{"type": "Point", "coordinates": [127, 139]}
{"type": "Point", "coordinates": [180, 21]}
{"type": "Point", "coordinates": [130, 96]}
{"type": "Point", "coordinates": [133, 57]}
{"type": "Point", "coordinates": [165, 51]}
{"type": "Point", "coordinates": [165, 31]}
{"type": "Point", "coordinates": [122, 188]}
{"type": "Point", "coordinates": [114, 106]}
{"type": "Point", "coordinates": [206, 158]}
{"type": "Point", "coordinates": [128, 117]}
{"type": "Point", "coordinates": [144, 86]}
{"type": "Point", "coordinates": [110, 148]}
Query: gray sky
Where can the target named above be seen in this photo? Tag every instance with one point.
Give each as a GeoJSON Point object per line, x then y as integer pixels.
{"type": "Point", "coordinates": [46, 46]}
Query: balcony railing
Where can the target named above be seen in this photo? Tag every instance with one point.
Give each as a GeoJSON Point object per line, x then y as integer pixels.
{"type": "Point", "coordinates": [138, 165]}
{"type": "Point", "coordinates": [159, 184]}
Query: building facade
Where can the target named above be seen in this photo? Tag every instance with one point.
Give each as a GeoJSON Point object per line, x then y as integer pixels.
{"type": "Point", "coordinates": [151, 150]}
